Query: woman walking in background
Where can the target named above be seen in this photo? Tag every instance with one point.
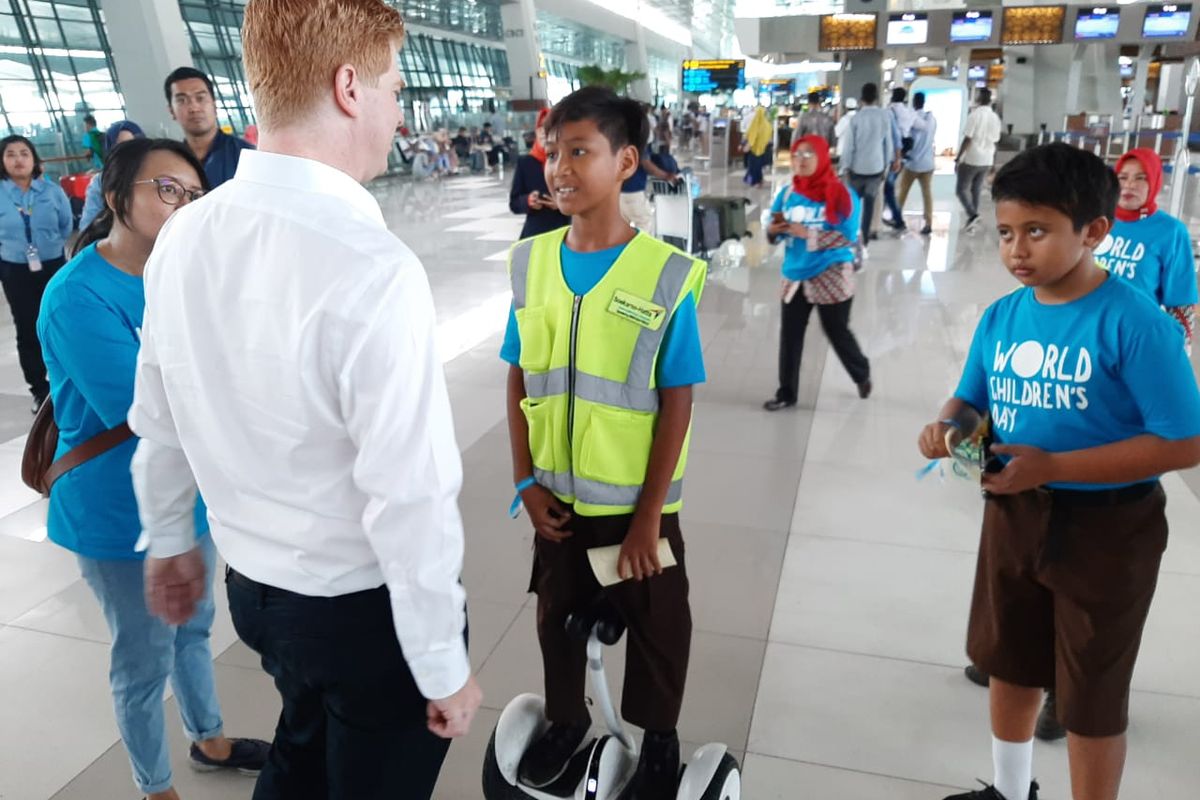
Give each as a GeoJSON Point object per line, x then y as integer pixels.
{"type": "Point", "coordinates": [819, 217]}
{"type": "Point", "coordinates": [35, 222]}
{"type": "Point", "coordinates": [758, 147]}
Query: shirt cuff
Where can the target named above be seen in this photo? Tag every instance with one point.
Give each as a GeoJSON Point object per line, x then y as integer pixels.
{"type": "Point", "coordinates": [442, 672]}
{"type": "Point", "coordinates": [165, 544]}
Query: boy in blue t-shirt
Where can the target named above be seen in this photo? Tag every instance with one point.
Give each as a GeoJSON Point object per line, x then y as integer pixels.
{"type": "Point", "coordinates": [606, 471]}
{"type": "Point", "coordinates": [1091, 399]}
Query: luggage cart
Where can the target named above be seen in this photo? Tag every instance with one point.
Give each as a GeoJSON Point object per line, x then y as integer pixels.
{"type": "Point", "coordinates": [674, 211]}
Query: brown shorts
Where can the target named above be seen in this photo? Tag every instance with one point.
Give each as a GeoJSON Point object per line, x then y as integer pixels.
{"type": "Point", "coordinates": [1062, 589]}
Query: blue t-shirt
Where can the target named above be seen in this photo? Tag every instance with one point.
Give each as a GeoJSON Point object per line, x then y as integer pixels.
{"type": "Point", "coordinates": [1155, 255]}
{"type": "Point", "coordinates": [680, 358]}
{"type": "Point", "coordinates": [1102, 369]}
{"type": "Point", "coordinates": [798, 263]}
{"type": "Point", "coordinates": [90, 327]}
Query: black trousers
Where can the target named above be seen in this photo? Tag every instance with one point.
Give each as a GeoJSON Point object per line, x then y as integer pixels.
{"type": "Point", "coordinates": [23, 291]}
{"type": "Point", "coordinates": [835, 320]}
{"type": "Point", "coordinates": [657, 616]}
{"type": "Point", "coordinates": [353, 725]}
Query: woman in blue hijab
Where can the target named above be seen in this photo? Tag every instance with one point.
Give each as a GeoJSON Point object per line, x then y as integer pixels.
{"type": "Point", "coordinates": [93, 202]}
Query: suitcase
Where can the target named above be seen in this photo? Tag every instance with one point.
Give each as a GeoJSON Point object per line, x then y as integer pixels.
{"type": "Point", "coordinates": [706, 229]}
{"type": "Point", "coordinates": [731, 213]}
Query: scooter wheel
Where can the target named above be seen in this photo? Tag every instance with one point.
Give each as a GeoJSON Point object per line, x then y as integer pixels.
{"type": "Point", "coordinates": [494, 785]}
{"type": "Point", "coordinates": [726, 784]}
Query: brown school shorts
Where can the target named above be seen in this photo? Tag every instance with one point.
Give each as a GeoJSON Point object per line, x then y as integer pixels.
{"type": "Point", "coordinates": [1062, 590]}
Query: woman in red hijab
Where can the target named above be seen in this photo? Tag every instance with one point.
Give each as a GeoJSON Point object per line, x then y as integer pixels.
{"type": "Point", "coordinates": [529, 194]}
{"type": "Point", "coordinates": [1148, 247]}
{"type": "Point", "coordinates": [819, 218]}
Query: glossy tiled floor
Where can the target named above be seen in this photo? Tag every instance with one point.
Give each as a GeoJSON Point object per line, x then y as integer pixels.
{"type": "Point", "coordinates": [830, 588]}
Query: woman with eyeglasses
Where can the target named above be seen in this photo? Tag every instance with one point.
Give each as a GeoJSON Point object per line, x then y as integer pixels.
{"type": "Point", "coordinates": [35, 222]}
{"type": "Point", "coordinates": [1148, 247]}
{"type": "Point", "coordinates": [819, 218]}
{"type": "Point", "coordinates": [90, 328]}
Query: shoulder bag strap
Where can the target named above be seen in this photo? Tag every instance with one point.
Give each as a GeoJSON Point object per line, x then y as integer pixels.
{"type": "Point", "coordinates": [99, 444]}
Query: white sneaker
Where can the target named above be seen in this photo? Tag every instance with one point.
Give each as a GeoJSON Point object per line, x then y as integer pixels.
{"type": "Point", "coordinates": [865, 253]}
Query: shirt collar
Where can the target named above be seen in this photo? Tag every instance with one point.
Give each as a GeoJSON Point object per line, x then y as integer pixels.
{"type": "Point", "coordinates": [306, 175]}
{"type": "Point", "coordinates": [14, 191]}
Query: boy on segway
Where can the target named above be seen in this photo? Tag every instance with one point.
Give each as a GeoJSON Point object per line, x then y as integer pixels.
{"type": "Point", "coordinates": [604, 349]}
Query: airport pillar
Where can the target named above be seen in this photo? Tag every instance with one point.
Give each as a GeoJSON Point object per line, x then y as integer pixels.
{"type": "Point", "coordinates": [864, 67]}
{"type": "Point", "coordinates": [148, 40]}
{"type": "Point", "coordinates": [636, 60]}
{"type": "Point", "coordinates": [524, 52]}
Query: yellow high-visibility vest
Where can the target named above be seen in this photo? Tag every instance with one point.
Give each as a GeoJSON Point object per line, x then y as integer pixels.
{"type": "Point", "coordinates": [589, 362]}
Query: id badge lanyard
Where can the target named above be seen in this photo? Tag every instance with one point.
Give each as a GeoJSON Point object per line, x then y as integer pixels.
{"type": "Point", "coordinates": [31, 251]}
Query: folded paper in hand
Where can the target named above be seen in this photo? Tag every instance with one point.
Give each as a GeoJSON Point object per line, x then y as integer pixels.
{"type": "Point", "coordinates": [604, 561]}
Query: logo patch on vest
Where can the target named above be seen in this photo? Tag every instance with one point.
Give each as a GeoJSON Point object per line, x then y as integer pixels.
{"type": "Point", "coordinates": [636, 310]}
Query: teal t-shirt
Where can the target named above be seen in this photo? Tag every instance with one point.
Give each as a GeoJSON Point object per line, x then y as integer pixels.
{"type": "Point", "coordinates": [681, 357]}
{"type": "Point", "coordinates": [1102, 369]}
{"type": "Point", "coordinates": [1155, 255]}
{"type": "Point", "coordinates": [90, 328]}
{"type": "Point", "coordinates": [799, 264]}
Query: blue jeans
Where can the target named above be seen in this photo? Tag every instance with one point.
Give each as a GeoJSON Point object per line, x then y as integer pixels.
{"type": "Point", "coordinates": [889, 197]}
{"type": "Point", "coordinates": [145, 653]}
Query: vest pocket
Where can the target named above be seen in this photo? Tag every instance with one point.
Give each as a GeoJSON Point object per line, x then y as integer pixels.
{"type": "Point", "coordinates": [540, 414]}
{"type": "Point", "coordinates": [616, 446]}
{"type": "Point", "coordinates": [536, 342]}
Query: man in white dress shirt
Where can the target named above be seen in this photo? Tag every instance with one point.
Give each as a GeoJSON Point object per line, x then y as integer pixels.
{"type": "Point", "coordinates": [288, 369]}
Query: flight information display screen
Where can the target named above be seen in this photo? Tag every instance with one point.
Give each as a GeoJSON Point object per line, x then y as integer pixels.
{"type": "Point", "coordinates": [1167, 21]}
{"type": "Point", "coordinates": [1097, 23]}
{"type": "Point", "coordinates": [908, 29]}
{"type": "Point", "coordinates": [971, 26]}
{"type": "Point", "coordinates": [718, 75]}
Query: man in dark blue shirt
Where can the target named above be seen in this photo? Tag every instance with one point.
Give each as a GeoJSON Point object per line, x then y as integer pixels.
{"type": "Point", "coordinates": [193, 105]}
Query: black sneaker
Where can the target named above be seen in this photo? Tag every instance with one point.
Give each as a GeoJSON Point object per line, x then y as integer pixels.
{"type": "Point", "coordinates": [977, 676]}
{"type": "Point", "coordinates": [547, 758]}
{"type": "Point", "coordinates": [657, 776]}
{"type": "Point", "coordinates": [990, 793]}
{"type": "Point", "coordinates": [247, 757]}
{"type": "Point", "coordinates": [928, 229]}
{"type": "Point", "coordinates": [776, 404]}
{"type": "Point", "coordinates": [1049, 729]}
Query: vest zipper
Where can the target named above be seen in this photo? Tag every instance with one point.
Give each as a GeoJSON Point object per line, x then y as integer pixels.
{"type": "Point", "coordinates": [571, 370]}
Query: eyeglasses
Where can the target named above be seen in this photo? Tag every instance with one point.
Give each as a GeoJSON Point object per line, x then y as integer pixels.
{"type": "Point", "coordinates": [804, 156]}
{"type": "Point", "coordinates": [172, 192]}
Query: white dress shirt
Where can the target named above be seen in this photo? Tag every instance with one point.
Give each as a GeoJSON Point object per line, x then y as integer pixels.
{"type": "Point", "coordinates": [984, 129]}
{"type": "Point", "coordinates": [288, 362]}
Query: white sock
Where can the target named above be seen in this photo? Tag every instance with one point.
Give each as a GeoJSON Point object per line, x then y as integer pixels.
{"type": "Point", "coordinates": [1013, 762]}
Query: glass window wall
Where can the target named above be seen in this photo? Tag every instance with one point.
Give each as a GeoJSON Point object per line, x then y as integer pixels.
{"type": "Point", "coordinates": [54, 70]}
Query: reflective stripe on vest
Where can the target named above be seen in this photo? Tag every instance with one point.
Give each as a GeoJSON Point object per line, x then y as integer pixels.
{"type": "Point", "coordinates": [597, 493]}
{"type": "Point", "coordinates": [521, 253]}
{"type": "Point", "coordinates": [670, 285]}
{"type": "Point", "coordinates": [591, 387]}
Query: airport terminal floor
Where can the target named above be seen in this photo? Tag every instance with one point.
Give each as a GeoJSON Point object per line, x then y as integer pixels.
{"type": "Point", "coordinates": [830, 587]}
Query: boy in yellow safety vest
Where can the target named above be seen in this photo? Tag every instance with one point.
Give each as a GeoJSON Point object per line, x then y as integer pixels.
{"type": "Point", "coordinates": [604, 349]}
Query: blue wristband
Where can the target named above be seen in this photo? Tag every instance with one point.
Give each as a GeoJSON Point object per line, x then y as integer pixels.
{"type": "Point", "coordinates": [952, 423]}
{"type": "Point", "coordinates": [514, 510]}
